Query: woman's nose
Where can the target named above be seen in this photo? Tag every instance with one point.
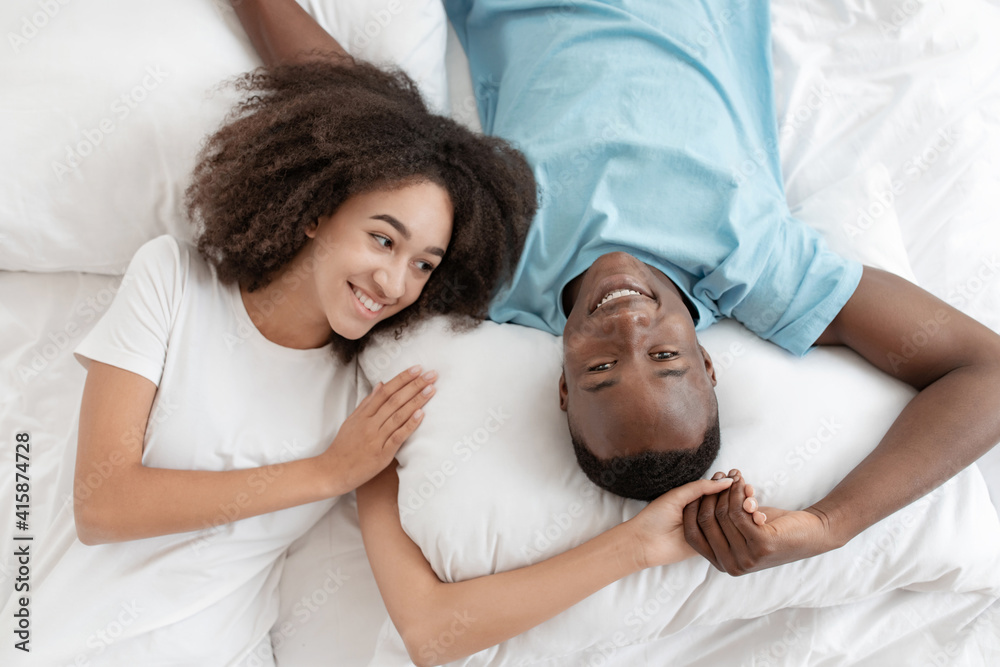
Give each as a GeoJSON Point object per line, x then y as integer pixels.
{"type": "Point", "coordinates": [391, 281]}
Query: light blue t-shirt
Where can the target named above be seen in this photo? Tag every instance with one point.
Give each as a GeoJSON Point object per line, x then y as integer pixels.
{"type": "Point", "coordinates": [651, 128]}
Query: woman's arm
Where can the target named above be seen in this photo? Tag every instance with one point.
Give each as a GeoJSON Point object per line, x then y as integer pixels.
{"type": "Point", "coordinates": [485, 611]}
{"type": "Point", "coordinates": [283, 33]}
{"type": "Point", "coordinates": [129, 501]}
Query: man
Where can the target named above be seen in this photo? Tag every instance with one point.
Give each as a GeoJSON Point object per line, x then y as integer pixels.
{"type": "Point", "coordinates": [651, 130]}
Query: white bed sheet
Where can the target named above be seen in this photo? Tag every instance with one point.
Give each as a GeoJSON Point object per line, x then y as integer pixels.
{"type": "Point", "coordinates": [891, 105]}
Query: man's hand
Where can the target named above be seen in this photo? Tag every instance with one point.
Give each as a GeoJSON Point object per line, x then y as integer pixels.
{"type": "Point", "coordinates": [658, 529]}
{"type": "Point", "coordinates": [737, 537]}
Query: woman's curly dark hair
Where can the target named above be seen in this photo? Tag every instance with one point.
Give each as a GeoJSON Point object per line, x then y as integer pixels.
{"type": "Point", "coordinates": [307, 137]}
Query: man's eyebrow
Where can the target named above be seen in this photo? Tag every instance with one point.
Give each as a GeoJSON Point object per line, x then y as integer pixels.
{"type": "Point", "coordinates": [601, 385]}
{"type": "Point", "coordinates": [405, 233]}
{"type": "Point", "coordinates": [665, 373]}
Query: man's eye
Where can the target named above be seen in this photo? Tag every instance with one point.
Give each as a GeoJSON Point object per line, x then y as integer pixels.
{"type": "Point", "coordinates": [383, 241]}
{"type": "Point", "coordinates": [602, 367]}
{"type": "Point", "coordinates": [663, 356]}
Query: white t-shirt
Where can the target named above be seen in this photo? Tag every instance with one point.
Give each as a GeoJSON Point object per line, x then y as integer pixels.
{"type": "Point", "coordinates": [226, 398]}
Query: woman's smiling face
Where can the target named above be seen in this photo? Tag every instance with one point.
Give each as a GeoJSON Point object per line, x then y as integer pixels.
{"type": "Point", "coordinates": [373, 256]}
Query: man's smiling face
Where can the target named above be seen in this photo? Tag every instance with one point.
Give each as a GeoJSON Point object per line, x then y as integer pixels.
{"type": "Point", "coordinates": [635, 378]}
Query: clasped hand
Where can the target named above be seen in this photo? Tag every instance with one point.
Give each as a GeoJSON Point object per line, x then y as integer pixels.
{"type": "Point", "coordinates": [736, 536]}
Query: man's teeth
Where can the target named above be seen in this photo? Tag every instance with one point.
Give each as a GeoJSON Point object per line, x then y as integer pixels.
{"type": "Point", "coordinates": [368, 303]}
{"type": "Point", "coordinates": [617, 293]}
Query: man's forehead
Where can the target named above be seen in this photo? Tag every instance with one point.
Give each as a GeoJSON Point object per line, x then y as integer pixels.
{"type": "Point", "coordinates": [627, 420]}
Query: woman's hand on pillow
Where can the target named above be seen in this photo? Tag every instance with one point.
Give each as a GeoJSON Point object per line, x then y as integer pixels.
{"type": "Point", "coordinates": [658, 530]}
{"type": "Point", "coordinates": [738, 537]}
{"type": "Point", "coordinates": [369, 438]}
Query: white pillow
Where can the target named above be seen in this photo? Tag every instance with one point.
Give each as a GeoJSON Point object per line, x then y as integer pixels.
{"type": "Point", "coordinates": [106, 103]}
{"type": "Point", "coordinates": [489, 482]}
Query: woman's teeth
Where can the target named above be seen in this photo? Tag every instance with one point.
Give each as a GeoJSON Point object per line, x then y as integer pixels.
{"type": "Point", "coordinates": [366, 302]}
{"type": "Point", "coordinates": [617, 293]}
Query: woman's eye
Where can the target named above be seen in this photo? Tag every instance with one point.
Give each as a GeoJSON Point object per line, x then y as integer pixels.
{"type": "Point", "coordinates": [602, 367]}
{"type": "Point", "coordinates": [383, 241]}
{"type": "Point", "coordinates": [663, 356]}
{"type": "Point", "coordinates": [426, 267]}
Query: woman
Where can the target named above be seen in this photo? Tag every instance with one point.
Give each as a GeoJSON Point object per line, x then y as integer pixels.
{"type": "Point", "coordinates": [220, 417]}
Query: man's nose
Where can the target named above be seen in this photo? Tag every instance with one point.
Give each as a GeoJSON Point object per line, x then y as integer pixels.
{"type": "Point", "coordinates": [628, 325]}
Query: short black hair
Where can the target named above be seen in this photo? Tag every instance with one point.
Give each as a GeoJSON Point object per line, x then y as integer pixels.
{"type": "Point", "coordinates": [648, 475]}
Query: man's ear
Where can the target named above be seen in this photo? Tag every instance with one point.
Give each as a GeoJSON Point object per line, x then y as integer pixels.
{"type": "Point", "coordinates": [563, 392]}
{"type": "Point", "coordinates": [709, 367]}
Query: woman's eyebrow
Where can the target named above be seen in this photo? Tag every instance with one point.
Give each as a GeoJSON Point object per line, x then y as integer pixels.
{"type": "Point", "coordinates": [397, 225]}
{"type": "Point", "coordinates": [405, 233]}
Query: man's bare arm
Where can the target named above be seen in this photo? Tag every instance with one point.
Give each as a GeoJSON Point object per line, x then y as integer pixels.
{"type": "Point", "coordinates": [283, 33]}
{"type": "Point", "coordinates": [954, 363]}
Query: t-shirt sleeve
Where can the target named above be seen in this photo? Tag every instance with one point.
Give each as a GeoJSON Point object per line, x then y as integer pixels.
{"type": "Point", "coordinates": [801, 287]}
{"type": "Point", "coordinates": [134, 331]}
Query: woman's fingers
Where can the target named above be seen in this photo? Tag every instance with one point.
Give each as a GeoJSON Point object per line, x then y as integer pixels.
{"type": "Point", "coordinates": [688, 493]}
{"type": "Point", "coordinates": [402, 417]}
{"type": "Point", "coordinates": [404, 431]}
{"type": "Point", "coordinates": [383, 391]}
{"type": "Point", "coordinates": [398, 396]}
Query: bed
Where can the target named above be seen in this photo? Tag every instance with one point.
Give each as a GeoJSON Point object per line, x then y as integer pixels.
{"type": "Point", "coordinates": [889, 117]}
